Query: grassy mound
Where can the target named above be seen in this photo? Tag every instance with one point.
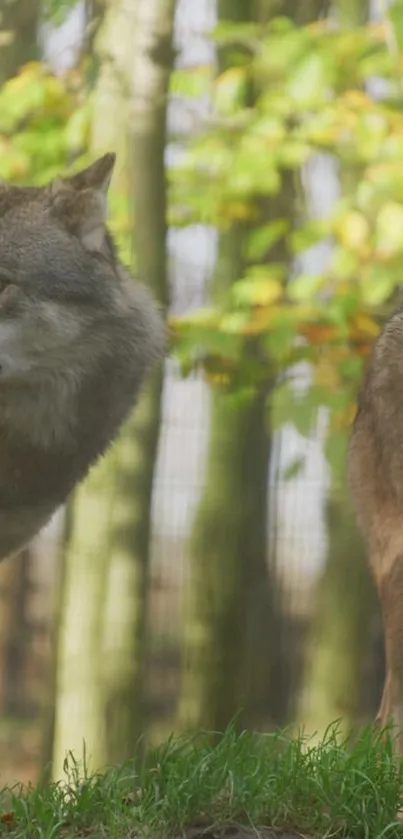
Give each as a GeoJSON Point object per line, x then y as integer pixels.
{"type": "Point", "coordinates": [244, 782]}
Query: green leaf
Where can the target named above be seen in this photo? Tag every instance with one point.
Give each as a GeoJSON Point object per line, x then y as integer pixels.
{"type": "Point", "coordinates": [310, 79]}
{"type": "Point", "coordinates": [58, 10]}
{"type": "Point", "coordinates": [305, 286]}
{"type": "Point", "coordinates": [281, 50]}
{"type": "Point", "coordinates": [252, 172]}
{"type": "Point", "coordinates": [336, 452]}
{"type": "Point", "coordinates": [293, 155]}
{"type": "Point", "coordinates": [351, 367]}
{"type": "Point", "coordinates": [282, 405]}
{"type": "Point", "coordinates": [257, 291]}
{"type": "Point", "coordinates": [77, 129]}
{"type": "Point", "coordinates": [227, 31]}
{"type": "Point", "coordinates": [230, 90]}
{"type": "Point", "coordinates": [305, 415]}
{"type": "Point", "coordinates": [190, 82]}
{"type": "Point", "coordinates": [377, 286]}
{"type": "Point", "coordinates": [294, 468]}
{"type": "Point", "coordinates": [345, 263]}
{"type": "Point", "coordinates": [280, 340]}
{"type": "Point", "coordinates": [234, 322]}
{"type": "Point", "coordinates": [309, 234]}
{"type": "Point", "coordinates": [261, 239]}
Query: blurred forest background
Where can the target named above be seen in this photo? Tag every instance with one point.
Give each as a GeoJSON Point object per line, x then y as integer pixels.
{"type": "Point", "coordinates": [210, 564]}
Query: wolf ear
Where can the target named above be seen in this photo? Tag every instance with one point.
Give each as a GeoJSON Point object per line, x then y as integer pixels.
{"type": "Point", "coordinates": [82, 200]}
{"type": "Point", "coordinates": [97, 176]}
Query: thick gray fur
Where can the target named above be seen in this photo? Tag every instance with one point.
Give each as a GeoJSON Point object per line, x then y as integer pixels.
{"type": "Point", "coordinates": [77, 337]}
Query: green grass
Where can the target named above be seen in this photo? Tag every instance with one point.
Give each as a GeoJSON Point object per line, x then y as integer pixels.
{"type": "Point", "coordinates": [331, 789]}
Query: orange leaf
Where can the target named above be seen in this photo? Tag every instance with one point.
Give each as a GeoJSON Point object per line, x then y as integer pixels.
{"type": "Point", "coordinates": [318, 333]}
{"type": "Point", "coordinates": [7, 818]}
{"type": "Point", "coordinates": [363, 325]}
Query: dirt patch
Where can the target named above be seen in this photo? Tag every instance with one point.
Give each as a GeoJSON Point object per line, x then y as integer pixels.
{"type": "Point", "coordinates": [234, 831]}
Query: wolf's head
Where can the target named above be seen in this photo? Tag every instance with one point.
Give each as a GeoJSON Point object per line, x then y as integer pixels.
{"type": "Point", "coordinates": [77, 337]}
{"type": "Point", "coordinates": [58, 270]}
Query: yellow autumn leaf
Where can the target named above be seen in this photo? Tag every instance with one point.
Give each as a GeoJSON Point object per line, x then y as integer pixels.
{"type": "Point", "coordinates": [345, 417]}
{"type": "Point", "coordinates": [216, 379]}
{"type": "Point", "coordinates": [324, 135]}
{"type": "Point", "coordinates": [257, 291]}
{"type": "Point", "coordinates": [264, 317]}
{"type": "Point", "coordinates": [229, 89]}
{"type": "Point", "coordinates": [389, 224]}
{"type": "Point", "coordinates": [237, 211]}
{"type": "Point", "coordinates": [357, 99]}
{"type": "Point", "coordinates": [204, 317]}
{"type": "Point", "coordinates": [377, 30]}
{"type": "Point", "coordinates": [34, 68]}
{"type": "Point", "coordinates": [259, 320]}
{"type": "Point", "coordinates": [353, 230]}
{"type": "Point", "coordinates": [55, 90]}
{"type": "Point", "coordinates": [363, 325]}
{"type": "Point", "coordinates": [33, 71]}
{"type": "Point", "coordinates": [326, 375]}
{"type": "Point", "coordinates": [19, 168]}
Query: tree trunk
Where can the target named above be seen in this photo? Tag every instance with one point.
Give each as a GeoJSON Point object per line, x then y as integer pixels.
{"type": "Point", "coordinates": [352, 12]}
{"type": "Point", "coordinates": [18, 35]}
{"type": "Point", "coordinates": [229, 577]}
{"type": "Point", "coordinates": [341, 630]}
{"type": "Point", "coordinates": [231, 610]}
{"type": "Point", "coordinates": [345, 605]}
{"type": "Point", "coordinates": [125, 642]}
{"type": "Point", "coordinates": [79, 711]}
{"type": "Point", "coordinates": [107, 565]}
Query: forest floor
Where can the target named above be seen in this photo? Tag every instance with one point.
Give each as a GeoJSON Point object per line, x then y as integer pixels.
{"type": "Point", "coordinates": [239, 787]}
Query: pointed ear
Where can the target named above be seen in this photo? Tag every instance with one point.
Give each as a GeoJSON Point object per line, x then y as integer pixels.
{"type": "Point", "coordinates": [97, 176]}
{"type": "Point", "coordinates": [81, 201]}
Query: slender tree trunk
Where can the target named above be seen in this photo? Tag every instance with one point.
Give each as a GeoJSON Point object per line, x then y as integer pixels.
{"type": "Point", "coordinates": [231, 610]}
{"type": "Point", "coordinates": [341, 630]}
{"type": "Point", "coordinates": [125, 641]}
{"type": "Point", "coordinates": [352, 12]}
{"type": "Point", "coordinates": [345, 604]}
{"type": "Point", "coordinates": [113, 55]}
{"type": "Point", "coordinates": [79, 711]}
{"type": "Point", "coordinates": [229, 578]}
{"type": "Point", "coordinates": [107, 564]}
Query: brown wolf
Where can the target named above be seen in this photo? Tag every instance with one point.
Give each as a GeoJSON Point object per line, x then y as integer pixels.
{"type": "Point", "coordinates": [77, 336]}
{"type": "Point", "coordinates": [375, 469]}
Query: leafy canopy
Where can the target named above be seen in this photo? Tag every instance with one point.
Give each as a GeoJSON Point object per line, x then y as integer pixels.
{"type": "Point", "coordinates": [312, 96]}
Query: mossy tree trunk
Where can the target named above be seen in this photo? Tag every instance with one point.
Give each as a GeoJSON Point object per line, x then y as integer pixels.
{"type": "Point", "coordinates": [107, 555]}
{"type": "Point", "coordinates": [79, 708]}
{"type": "Point", "coordinates": [229, 578]}
{"type": "Point", "coordinates": [231, 607]}
{"type": "Point", "coordinates": [124, 632]}
{"type": "Point", "coordinates": [339, 640]}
